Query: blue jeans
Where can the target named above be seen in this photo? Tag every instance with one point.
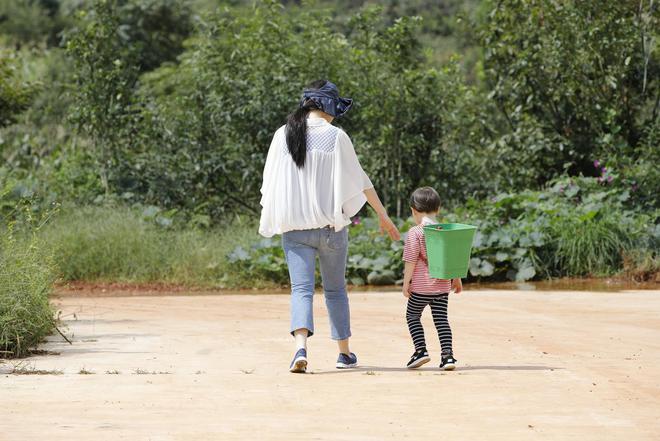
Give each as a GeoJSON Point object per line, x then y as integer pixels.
{"type": "Point", "coordinates": [300, 249]}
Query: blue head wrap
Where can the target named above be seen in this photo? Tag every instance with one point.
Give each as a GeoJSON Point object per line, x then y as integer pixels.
{"type": "Point", "coordinates": [327, 99]}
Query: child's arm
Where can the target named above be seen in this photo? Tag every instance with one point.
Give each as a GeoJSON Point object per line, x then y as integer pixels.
{"type": "Point", "coordinates": [408, 271]}
{"type": "Point", "coordinates": [457, 285]}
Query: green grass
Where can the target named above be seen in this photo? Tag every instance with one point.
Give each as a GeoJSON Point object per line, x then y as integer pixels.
{"type": "Point", "coordinates": [26, 279]}
{"type": "Point", "coordinates": [592, 247]}
{"type": "Point", "coordinates": [119, 245]}
{"type": "Point", "coordinates": [101, 244]}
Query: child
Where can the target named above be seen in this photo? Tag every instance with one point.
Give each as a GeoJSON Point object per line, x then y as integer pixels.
{"type": "Point", "coordinates": [420, 288]}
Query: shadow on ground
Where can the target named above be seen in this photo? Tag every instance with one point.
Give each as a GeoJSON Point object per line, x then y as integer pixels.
{"type": "Point", "coordinates": [367, 369]}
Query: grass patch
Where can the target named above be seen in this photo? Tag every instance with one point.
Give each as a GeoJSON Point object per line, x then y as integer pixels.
{"type": "Point", "coordinates": [23, 369]}
{"type": "Point", "coordinates": [139, 371]}
{"type": "Point", "coordinates": [121, 245]}
{"type": "Point", "coordinates": [26, 279]}
{"type": "Point", "coordinates": [591, 247]}
{"type": "Point", "coordinates": [642, 265]}
{"type": "Point", "coordinates": [574, 228]}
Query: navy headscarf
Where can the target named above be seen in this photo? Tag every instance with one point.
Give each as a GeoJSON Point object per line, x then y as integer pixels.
{"type": "Point", "coordinates": [327, 99]}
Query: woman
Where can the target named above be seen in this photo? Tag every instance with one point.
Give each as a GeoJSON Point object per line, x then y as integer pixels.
{"type": "Point", "coordinates": [312, 184]}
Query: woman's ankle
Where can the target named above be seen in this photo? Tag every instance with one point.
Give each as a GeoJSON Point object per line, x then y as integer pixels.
{"type": "Point", "coordinates": [343, 347]}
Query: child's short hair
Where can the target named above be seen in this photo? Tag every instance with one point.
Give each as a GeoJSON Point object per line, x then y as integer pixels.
{"type": "Point", "coordinates": [425, 200]}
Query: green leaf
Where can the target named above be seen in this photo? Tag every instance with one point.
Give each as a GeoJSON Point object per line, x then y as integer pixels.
{"type": "Point", "coordinates": [525, 273]}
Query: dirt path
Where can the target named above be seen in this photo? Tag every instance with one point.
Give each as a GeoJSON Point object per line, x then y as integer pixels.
{"type": "Point", "coordinates": [541, 366]}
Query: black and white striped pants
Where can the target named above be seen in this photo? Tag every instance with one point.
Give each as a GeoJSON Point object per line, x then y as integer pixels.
{"type": "Point", "coordinates": [438, 302]}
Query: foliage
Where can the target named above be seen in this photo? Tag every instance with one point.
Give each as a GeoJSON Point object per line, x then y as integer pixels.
{"type": "Point", "coordinates": [15, 94]}
{"type": "Point", "coordinates": [30, 21]}
{"type": "Point", "coordinates": [573, 81]}
{"type": "Point", "coordinates": [26, 279]}
{"type": "Point", "coordinates": [156, 28]}
{"type": "Point", "coordinates": [42, 159]}
{"type": "Point", "coordinates": [193, 136]}
{"type": "Point", "coordinates": [372, 258]}
{"type": "Point", "coordinates": [575, 227]}
{"type": "Point", "coordinates": [144, 245]}
{"type": "Point", "coordinates": [116, 41]}
{"type": "Point", "coordinates": [550, 114]}
{"type": "Point", "coordinates": [105, 80]}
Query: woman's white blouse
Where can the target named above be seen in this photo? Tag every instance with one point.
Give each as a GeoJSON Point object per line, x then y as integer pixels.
{"type": "Point", "coordinates": [327, 190]}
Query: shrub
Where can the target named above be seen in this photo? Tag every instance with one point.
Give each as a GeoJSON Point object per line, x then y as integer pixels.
{"type": "Point", "coordinates": [575, 227]}
{"type": "Point", "coordinates": [26, 279]}
{"type": "Point", "coordinates": [571, 80]}
{"type": "Point", "coordinates": [193, 135]}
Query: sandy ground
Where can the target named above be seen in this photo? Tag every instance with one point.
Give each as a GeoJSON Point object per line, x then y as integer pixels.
{"type": "Point", "coordinates": [533, 365]}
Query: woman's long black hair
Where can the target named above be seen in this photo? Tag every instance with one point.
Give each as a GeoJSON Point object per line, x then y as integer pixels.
{"type": "Point", "coordinates": [296, 127]}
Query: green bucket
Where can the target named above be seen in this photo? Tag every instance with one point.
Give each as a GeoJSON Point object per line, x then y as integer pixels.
{"type": "Point", "coordinates": [448, 249]}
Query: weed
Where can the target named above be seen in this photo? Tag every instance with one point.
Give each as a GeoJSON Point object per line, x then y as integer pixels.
{"type": "Point", "coordinates": [139, 371]}
{"type": "Point", "coordinates": [29, 369]}
{"type": "Point", "coordinates": [26, 278]}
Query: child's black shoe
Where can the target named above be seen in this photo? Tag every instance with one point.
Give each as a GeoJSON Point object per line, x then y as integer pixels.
{"type": "Point", "coordinates": [448, 363]}
{"type": "Point", "coordinates": [420, 357]}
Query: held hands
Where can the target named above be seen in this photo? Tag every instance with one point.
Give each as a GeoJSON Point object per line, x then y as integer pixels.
{"type": "Point", "coordinates": [387, 226]}
{"type": "Point", "coordinates": [457, 285]}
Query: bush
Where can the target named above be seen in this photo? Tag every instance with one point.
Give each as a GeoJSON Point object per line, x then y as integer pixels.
{"type": "Point", "coordinates": [372, 258]}
{"type": "Point", "coordinates": [193, 135]}
{"type": "Point", "coordinates": [572, 81]}
{"type": "Point", "coordinates": [26, 279]}
{"type": "Point", "coordinates": [575, 227]}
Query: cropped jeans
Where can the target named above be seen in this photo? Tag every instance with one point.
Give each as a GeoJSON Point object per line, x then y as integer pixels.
{"type": "Point", "coordinates": [301, 248]}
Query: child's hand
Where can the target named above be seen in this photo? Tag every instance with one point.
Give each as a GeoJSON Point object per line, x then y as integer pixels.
{"type": "Point", "coordinates": [457, 285]}
{"type": "Point", "coordinates": [406, 290]}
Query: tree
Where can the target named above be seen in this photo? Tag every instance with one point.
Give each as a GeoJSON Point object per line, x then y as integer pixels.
{"type": "Point", "coordinates": [106, 76]}
{"type": "Point", "coordinates": [573, 80]}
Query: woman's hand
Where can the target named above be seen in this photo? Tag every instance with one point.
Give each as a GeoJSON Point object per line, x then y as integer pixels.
{"type": "Point", "coordinates": [387, 226]}
{"type": "Point", "coordinates": [457, 285]}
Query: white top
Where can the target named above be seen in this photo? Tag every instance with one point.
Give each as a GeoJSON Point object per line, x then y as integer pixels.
{"type": "Point", "coordinates": [327, 190]}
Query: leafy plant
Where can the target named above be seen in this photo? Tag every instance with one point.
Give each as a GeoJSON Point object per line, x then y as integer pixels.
{"type": "Point", "coordinates": [26, 279]}
{"type": "Point", "coordinates": [15, 94]}
{"type": "Point", "coordinates": [571, 81]}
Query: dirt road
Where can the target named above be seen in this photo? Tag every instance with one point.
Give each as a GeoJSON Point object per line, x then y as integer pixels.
{"type": "Point", "coordinates": [533, 366]}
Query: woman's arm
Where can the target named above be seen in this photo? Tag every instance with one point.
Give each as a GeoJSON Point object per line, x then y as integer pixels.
{"type": "Point", "coordinates": [386, 224]}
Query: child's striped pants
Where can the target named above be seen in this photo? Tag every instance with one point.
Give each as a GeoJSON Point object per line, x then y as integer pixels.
{"type": "Point", "coordinates": [438, 302]}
